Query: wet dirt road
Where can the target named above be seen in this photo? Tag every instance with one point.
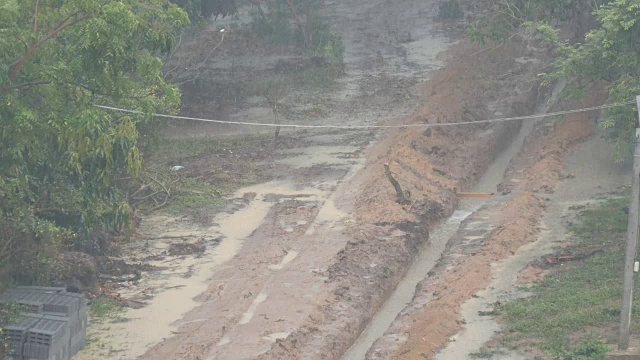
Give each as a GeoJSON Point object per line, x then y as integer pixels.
{"type": "Point", "coordinates": [263, 271]}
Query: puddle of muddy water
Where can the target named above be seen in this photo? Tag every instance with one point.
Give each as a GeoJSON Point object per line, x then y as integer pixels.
{"type": "Point", "coordinates": [287, 259]}
{"type": "Point", "coordinates": [248, 315]}
{"type": "Point", "coordinates": [321, 154]}
{"type": "Point", "coordinates": [172, 290]}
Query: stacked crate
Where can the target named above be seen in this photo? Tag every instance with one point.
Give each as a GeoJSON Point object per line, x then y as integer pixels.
{"type": "Point", "coordinates": [16, 335]}
{"type": "Point", "coordinates": [55, 327]}
{"type": "Point", "coordinates": [48, 339]}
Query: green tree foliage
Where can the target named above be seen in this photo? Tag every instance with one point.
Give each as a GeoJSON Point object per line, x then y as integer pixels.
{"type": "Point", "coordinates": [61, 157]}
{"type": "Point", "coordinates": [198, 9]}
{"type": "Point", "coordinates": [298, 22]}
{"type": "Point", "coordinates": [610, 53]}
{"type": "Point", "coordinates": [507, 16]}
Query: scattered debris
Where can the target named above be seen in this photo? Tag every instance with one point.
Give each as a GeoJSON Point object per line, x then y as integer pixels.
{"type": "Point", "coordinates": [493, 310]}
{"type": "Point", "coordinates": [120, 279]}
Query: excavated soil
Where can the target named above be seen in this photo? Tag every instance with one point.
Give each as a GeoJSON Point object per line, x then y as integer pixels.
{"type": "Point", "coordinates": [430, 322]}
{"type": "Point", "coordinates": [429, 164]}
{"type": "Point", "coordinates": [297, 269]}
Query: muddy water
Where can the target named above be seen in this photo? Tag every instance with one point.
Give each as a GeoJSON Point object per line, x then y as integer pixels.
{"type": "Point", "coordinates": [505, 273]}
{"type": "Point", "coordinates": [183, 277]}
{"type": "Point", "coordinates": [592, 162]}
{"type": "Point", "coordinates": [374, 55]}
{"type": "Point", "coordinates": [403, 294]}
{"type": "Point", "coordinates": [430, 253]}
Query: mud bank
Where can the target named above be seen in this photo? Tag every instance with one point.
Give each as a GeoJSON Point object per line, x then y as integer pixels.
{"type": "Point", "coordinates": [429, 164]}
{"type": "Point", "coordinates": [434, 316]}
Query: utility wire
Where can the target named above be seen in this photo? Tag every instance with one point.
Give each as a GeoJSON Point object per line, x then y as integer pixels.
{"type": "Point", "coordinates": [348, 127]}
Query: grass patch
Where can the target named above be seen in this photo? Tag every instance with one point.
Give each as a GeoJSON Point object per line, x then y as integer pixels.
{"type": "Point", "coordinates": [214, 168]}
{"type": "Point", "coordinates": [575, 304]}
{"type": "Point", "coordinates": [196, 194]}
{"type": "Point", "coordinates": [322, 79]}
{"type": "Point", "coordinates": [175, 151]}
{"type": "Point", "coordinates": [605, 221]}
{"type": "Point", "coordinates": [312, 79]}
{"type": "Point", "coordinates": [105, 308]}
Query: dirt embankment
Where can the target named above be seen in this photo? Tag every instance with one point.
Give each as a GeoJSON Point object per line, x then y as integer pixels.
{"type": "Point", "coordinates": [428, 164]}
{"type": "Point", "coordinates": [435, 313]}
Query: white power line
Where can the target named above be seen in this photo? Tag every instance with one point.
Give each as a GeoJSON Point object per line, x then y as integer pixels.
{"type": "Point", "coordinates": [537, 116]}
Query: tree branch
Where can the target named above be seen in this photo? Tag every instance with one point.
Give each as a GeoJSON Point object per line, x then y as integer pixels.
{"type": "Point", "coordinates": [299, 23]}
{"type": "Point", "coordinates": [20, 63]}
{"type": "Point", "coordinates": [31, 83]}
{"type": "Point", "coordinates": [35, 17]}
{"type": "Point", "coordinates": [403, 196]}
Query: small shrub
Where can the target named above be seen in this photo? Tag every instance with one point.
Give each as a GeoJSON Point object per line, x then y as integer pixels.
{"type": "Point", "coordinates": [450, 10]}
{"type": "Point", "coordinates": [331, 49]}
{"type": "Point", "coordinates": [8, 314]}
{"type": "Point", "coordinates": [102, 308]}
{"type": "Point", "coordinates": [591, 349]}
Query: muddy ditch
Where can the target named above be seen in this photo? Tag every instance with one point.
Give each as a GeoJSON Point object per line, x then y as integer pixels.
{"type": "Point", "coordinates": [462, 286]}
{"type": "Point", "coordinates": [429, 164]}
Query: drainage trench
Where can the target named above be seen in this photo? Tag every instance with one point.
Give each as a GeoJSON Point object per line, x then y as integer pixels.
{"type": "Point", "coordinates": [430, 253]}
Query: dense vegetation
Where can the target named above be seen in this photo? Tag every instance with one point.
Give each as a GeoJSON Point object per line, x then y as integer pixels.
{"type": "Point", "coordinates": [297, 22]}
{"type": "Point", "coordinates": [610, 52]}
{"type": "Point", "coordinates": [199, 9]}
{"type": "Point", "coordinates": [63, 158]}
